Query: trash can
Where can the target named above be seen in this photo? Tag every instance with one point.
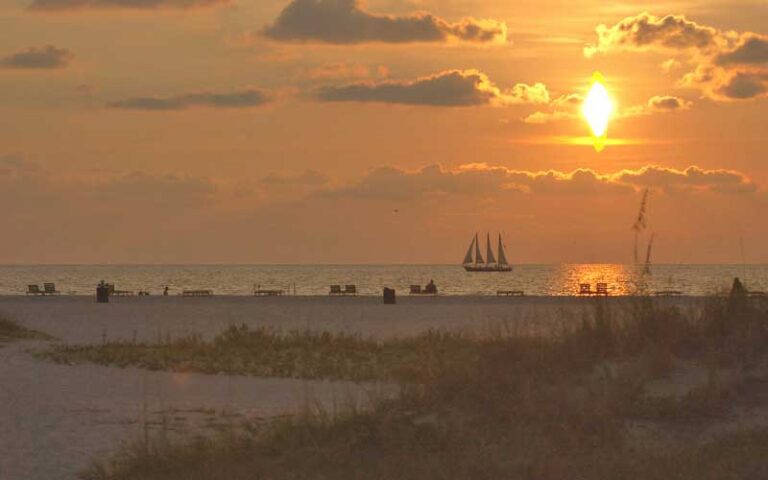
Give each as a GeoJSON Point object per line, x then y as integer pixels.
{"type": "Point", "coordinates": [389, 296]}
{"type": "Point", "coordinates": [102, 293]}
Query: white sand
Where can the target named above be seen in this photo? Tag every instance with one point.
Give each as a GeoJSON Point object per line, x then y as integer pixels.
{"type": "Point", "coordinates": [54, 419]}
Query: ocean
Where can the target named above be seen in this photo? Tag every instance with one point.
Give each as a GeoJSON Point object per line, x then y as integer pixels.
{"type": "Point", "coordinates": [371, 279]}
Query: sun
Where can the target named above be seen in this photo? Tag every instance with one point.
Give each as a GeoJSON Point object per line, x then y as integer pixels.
{"type": "Point", "coordinates": [597, 109]}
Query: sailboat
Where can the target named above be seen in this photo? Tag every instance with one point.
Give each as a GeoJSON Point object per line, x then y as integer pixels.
{"type": "Point", "coordinates": [474, 262]}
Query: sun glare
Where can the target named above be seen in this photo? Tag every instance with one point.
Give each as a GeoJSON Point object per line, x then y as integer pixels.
{"type": "Point", "coordinates": [597, 110]}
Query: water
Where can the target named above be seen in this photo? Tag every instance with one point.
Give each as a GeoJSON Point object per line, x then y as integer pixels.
{"type": "Point", "coordinates": [370, 279]}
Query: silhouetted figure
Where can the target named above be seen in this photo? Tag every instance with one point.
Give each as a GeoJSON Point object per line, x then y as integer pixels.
{"type": "Point", "coordinates": [738, 289]}
{"type": "Point", "coordinates": [431, 288]}
{"type": "Point", "coordinates": [165, 291]}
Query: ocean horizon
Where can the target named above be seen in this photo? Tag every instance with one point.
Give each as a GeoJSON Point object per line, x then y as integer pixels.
{"type": "Point", "coordinates": [370, 279]}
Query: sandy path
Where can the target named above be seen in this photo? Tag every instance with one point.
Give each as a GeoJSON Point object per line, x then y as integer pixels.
{"type": "Point", "coordinates": [55, 419]}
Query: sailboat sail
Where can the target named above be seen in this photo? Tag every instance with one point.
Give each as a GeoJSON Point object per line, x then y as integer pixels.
{"type": "Point", "coordinates": [478, 256]}
{"type": "Point", "coordinates": [489, 253]}
{"type": "Point", "coordinates": [502, 257]}
{"type": "Point", "coordinates": [468, 256]}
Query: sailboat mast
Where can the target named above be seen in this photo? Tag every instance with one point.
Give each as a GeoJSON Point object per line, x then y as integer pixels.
{"type": "Point", "coordinates": [502, 256]}
{"type": "Point", "coordinates": [489, 252]}
{"type": "Point", "coordinates": [478, 255]}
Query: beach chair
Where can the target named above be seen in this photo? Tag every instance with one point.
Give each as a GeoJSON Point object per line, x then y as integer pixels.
{"type": "Point", "coordinates": [50, 289]}
{"type": "Point", "coordinates": [585, 289]}
{"type": "Point", "coordinates": [415, 289]}
{"type": "Point", "coordinates": [34, 290]}
{"type": "Point", "coordinates": [601, 289]}
{"type": "Point", "coordinates": [510, 293]}
{"type": "Point", "coordinates": [430, 290]}
{"type": "Point", "coordinates": [350, 290]}
{"type": "Point", "coordinates": [197, 293]}
{"type": "Point", "coordinates": [335, 290]}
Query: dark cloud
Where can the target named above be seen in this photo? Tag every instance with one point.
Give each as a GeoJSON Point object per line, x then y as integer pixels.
{"type": "Point", "coordinates": [43, 58]}
{"type": "Point", "coordinates": [745, 85]}
{"type": "Point", "coordinates": [728, 65]}
{"type": "Point", "coordinates": [647, 31]}
{"type": "Point", "coordinates": [455, 88]}
{"type": "Point", "coordinates": [667, 103]}
{"type": "Point", "coordinates": [241, 99]}
{"type": "Point", "coordinates": [753, 49]}
{"type": "Point", "coordinates": [66, 5]}
{"type": "Point", "coordinates": [305, 178]}
{"type": "Point", "coordinates": [345, 22]}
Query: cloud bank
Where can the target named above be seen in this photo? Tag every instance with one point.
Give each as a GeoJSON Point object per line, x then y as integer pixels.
{"type": "Point", "coordinates": [483, 180]}
{"type": "Point", "coordinates": [726, 65]}
{"type": "Point", "coordinates": [454, 88]}
{"type": "Point", "coordinates": [43, 58]}
{"type": "Point", "coordinates": [344, 22]}
{"type": "Point", "coordinates": [247, 98]}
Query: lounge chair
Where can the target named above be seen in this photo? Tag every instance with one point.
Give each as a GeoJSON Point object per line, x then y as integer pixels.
{"type": "Point", "coordinates": [602, 289]}
{"type": "Point", "coordinates": [197, 293]}
{"type": "Point", "coordinates": [335, 290]}
{"type": "Point", "coordinates": [50, 289]}
{"type": "Point", "coordinates": [34, 290]}
{"type": "Point", "coordinates": [510, 293]}
{"type": "Point", "coordinates": [585, 289]}
{"type": "Point", "coordinates": [415, 289]}
{"type": "Point", "coordinates": [350, 290]}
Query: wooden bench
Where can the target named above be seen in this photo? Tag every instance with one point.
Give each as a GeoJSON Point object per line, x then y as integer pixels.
{"type": "Point", "coordinates": [668, 293]}
{"type": "Point", "coordinates": [50, 289]}
{"type": "Point", "coordinates": [268, 293]}
{"type": "Point", "coordinates": [335, 290]}
{"type": "Point", "coordinates": [601, 289]}
{"type": "Point", "coordinates": [510, 293]}
{"type": "Point", "coordinates": [197, 293]}
{"type": "Point", "coordinates": [34, 290]}
{"type": "Point", "coordinates": [585, 289]}
{"type": "Point", "coordinates": [350, 290]}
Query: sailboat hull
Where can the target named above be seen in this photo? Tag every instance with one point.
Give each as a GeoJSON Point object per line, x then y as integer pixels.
{"type": "Point", "coordinates": [488, 268]}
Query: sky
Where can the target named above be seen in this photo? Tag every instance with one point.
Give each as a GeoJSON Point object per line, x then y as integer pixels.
{"type": "Point", "coordinates": [379, 131]}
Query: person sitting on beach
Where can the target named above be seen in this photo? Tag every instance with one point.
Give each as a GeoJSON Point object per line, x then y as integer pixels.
{"type": "Point", "coordinates": [431, 287]}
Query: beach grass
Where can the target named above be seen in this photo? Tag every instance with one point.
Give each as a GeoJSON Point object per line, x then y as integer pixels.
{"type": "Point", "coordinates": [307, 354]}
{"type": "Point", "coordinates": [562, 406]}
{"type": "Point", "coordinates": [10, 331]}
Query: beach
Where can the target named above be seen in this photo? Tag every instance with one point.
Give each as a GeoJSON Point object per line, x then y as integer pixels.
{"type": "Point", "coordinates": [57, 418]}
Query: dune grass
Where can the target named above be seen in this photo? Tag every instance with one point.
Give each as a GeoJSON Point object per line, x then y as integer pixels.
{"type": "Point", "coordinates": [10, 331]}
{"type": "Point", "coordinates": [504, 407]}
{"type": "Point", "coordinates": [296, 354]}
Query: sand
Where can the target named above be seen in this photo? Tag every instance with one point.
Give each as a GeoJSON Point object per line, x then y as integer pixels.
{"type": "Point", "coordinates": [55, 419]}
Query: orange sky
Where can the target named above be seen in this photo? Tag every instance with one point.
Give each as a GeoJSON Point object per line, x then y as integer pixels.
{"type": "Point", "coordinates": [338, 131]}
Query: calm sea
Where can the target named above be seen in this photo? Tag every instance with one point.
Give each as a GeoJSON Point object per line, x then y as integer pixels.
{"type": "Point", "coordinates": [370, 279]}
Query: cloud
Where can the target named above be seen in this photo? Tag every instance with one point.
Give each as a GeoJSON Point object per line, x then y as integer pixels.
{"type": "Point", "coordinates": [727, 65]}
{"type": "Point", "coordinates": [344, 22]}
{"type": "Point", "coordinates": [722, 181]}
{"type": "Point", "coordinates": [480, 179]}
{"type": "Point", "coordinates": [752, 49]}
{"type": "Point", "coordinates": [305, 178]}
{"type": "Point", "coordinates": [67, 5]}
{"type": "Point", "coordinates": [241, 99]}
{"type": "Point", "coordinates": [454, 88]}
{"type": "Point", "coordinates": [43, 58]}
{"type": "Point", "coordinates": [567, 107]}
{"type": "Point", "coordinates": [645, 31]}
